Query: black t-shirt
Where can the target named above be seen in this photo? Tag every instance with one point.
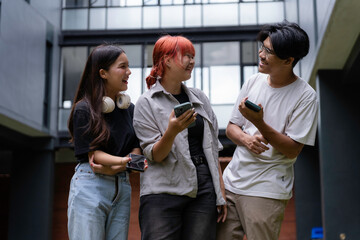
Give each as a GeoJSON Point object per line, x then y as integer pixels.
{"type": "Point", "coordinates": [196, 133]}
{"type": "Point", "coordinates": [122, 135]}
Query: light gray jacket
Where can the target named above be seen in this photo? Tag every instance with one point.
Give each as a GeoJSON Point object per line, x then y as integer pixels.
{"type": "Point", "coordinates": [177, 173]}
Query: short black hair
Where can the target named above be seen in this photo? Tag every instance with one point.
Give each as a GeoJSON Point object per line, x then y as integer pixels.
{"type": "Point", "coordinates": [287, 39]}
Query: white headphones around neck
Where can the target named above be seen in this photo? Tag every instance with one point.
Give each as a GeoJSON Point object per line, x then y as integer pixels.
{"type": "Point", "coordinates": [122, 101]}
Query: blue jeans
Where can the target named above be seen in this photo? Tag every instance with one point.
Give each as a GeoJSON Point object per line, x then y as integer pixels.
{"type": "Point", "coordinates": [174, 217]}
{"type": "Point", "coordinates": [98, 205]}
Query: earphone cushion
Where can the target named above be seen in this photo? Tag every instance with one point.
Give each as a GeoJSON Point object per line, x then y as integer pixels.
{"type": "Point", "coordinates": [108, 105]}
{"type": "Point", "coordinates": [123, 101]}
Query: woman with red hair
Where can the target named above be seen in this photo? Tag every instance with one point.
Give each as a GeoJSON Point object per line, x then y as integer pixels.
{"type": "Point", "coordinates": [182, 192]}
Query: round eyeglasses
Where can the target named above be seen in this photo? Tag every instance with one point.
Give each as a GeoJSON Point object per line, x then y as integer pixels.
{"type": "Point", "coordinates": [268, 51]}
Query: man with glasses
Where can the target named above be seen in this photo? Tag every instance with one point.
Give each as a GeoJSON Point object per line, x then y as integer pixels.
{"type": "Point", "coordinates": [259, 178]}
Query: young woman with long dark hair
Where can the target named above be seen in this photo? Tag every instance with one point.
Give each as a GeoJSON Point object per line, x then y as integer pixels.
{"type": "Point", "coordinates": [99, 204]}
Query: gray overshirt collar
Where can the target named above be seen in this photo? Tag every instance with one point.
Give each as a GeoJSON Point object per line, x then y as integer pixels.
{"type": "Point", "coordinates": [157, 88]}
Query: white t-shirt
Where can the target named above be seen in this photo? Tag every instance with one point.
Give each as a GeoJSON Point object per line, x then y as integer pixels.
{"type": "Point", "coordinates": [291, 110]}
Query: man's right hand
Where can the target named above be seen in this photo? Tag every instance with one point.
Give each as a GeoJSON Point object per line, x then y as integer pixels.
{"type": "Point", "coordinates": [256, 144]}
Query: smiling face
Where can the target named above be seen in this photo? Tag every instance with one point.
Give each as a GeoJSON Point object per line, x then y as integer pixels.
{"type": "Point", "coordinates": [269, 62]}
{"type": "Point", "coordinates": [188, 63]}
{"type": "Point", "coordinates": [116, 77]}
{"type": "Point", "coordinates": [182, 66]}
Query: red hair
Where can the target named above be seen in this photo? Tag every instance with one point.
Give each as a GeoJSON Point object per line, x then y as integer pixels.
{"type": "Point", "coordinates": [167, 47]}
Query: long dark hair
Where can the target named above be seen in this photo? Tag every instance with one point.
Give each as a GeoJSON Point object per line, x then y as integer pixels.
{"type": "Point", "coordinates": [91, 89]}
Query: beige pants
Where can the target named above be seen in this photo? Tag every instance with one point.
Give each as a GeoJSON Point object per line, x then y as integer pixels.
{"type": "Point", "coordinates": [259, 218]}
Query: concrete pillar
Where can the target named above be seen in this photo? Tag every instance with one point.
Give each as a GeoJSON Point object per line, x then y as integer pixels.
{"type": "Point", "coordinates": [31, 198]}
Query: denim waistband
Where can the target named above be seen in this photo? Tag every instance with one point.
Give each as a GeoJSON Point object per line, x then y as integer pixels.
{"type": "Point", "coordinates": [85, 166]}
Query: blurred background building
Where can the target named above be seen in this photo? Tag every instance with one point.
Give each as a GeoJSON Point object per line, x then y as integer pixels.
{"type": "Point", "coordinates": [43, 49]}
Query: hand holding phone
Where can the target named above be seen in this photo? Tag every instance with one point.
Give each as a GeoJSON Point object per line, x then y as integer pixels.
{"type": "Point", "coordinates": [252, 106]}
{"type": "Point", "coordinates": [137, 163]}
{"type": "Point", "coordinates": [181, 108]}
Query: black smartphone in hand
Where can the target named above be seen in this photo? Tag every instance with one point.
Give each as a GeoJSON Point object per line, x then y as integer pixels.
{"type": "Point", "coordinates": [181, 108]}
{"type": "Point", "coordinates": [252, 106]}
{"type": "Point", "coordinates": [137, 163]}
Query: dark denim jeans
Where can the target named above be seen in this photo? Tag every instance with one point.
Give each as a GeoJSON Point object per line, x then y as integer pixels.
{"type": "Point", "coordinates": [175, 217]}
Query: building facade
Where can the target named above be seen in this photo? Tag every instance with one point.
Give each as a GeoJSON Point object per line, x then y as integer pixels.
{"type": "Point", "coordinates": [43, 49]}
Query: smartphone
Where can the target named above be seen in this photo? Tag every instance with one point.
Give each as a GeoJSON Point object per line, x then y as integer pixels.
{"type": "Point", "coordinates": [181, 108]}
{"type": "Point", "coordinates": [136, 163]}
{"type": "Point", "coordinates": [252, 106]}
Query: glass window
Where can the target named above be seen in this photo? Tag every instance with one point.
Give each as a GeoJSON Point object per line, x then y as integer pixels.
{"type": "Point", "coordinates": [147, 73]}
{"type": "Point", "coordinates": [116, 3]}
{"type": "Point", "coordinates": [172, 16]}
{"type": "Point", "coordinates": [124, 18]}
{"type": "Point", "coordinates": [74, 19]}
{"type": "Point", "coordinates": [197, 47]}
{"type": "Point", "coordinates": [191, 81]}
{"type": "Point", "coordinates": [247, 13]}
{"type": "Point", "coordinates": [151, 17]}
{"type": "Point", "coordinates": [195, 1]}
{"type": "Point", "coordinates": [97, 18]}
{"type": "Point", "coordinates": [221, 71]}
{"type": "Point", "coordinates": [63, 119]}
{"type": "Point", "coordinates": [137, 14]}
{"type": "Point", "coordinates": [73, 63]}
{"type": "Point", "coordinates": [221, 53]}
{"type": "Point", "coordinates": [270, 12]}
{"type": "Point", "coordinates": [150, 2]}
{"type": "Point", "coordinates": [148, 56]}
{"type": "Point", "coordinates": [195, 80]}
{"type": "Point", "coordinates": [135, 81]}
{"type": "Point", "coordinates": [134, 3]}
{"type": "Point", "coordinates": [249, 71]}
{"type": "Point", "coordinates": [220, 14]}
{"type": "Point", "coordinates": [167, 2]}
{"type": "Point", "coordinates": [133, 53]}
{"type": "Point", "coordinates": [206, 81]}
{"type": "Point", "coordinates": [192, 15]}
{"type": "Point", "coordinates": [97, 3]}
{"type": "Point", "coordinates": [223, 114]}
{"type": "Point", "coordinates": [124, 3]}
{"type": "Point", "coordinates": [249, 52]}
{"type": "Point", "coordinates": [76, 3]}
{"type": "Point", "coordinates": [222, 1]}
{"type": "Point", "coordinates": [224, 84]}
{"type": "Point", "coordinates": [291, 10]}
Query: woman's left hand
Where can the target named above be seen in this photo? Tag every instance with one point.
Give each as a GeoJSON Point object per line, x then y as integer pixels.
{"type": "Point", "coordinates": [222, 213]}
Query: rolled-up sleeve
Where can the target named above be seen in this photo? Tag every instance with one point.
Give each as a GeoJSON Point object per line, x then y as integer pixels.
{"type": "Point", "coordinates": [303, 123]}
